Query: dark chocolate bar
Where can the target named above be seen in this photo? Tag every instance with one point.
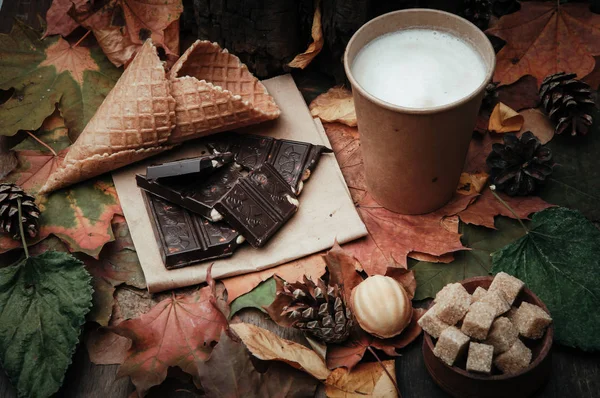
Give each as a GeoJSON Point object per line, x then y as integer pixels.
{"type": "Point", "coordinates": [294, 160]}
{"type": "Point", "coordinates": [185, 238]}
{"type": "Point", "coordinates": [198, 196]}
{"type": "Point", "coordinates": [259, 204]}
{"type": "Point", "coordinates": [201, 166]}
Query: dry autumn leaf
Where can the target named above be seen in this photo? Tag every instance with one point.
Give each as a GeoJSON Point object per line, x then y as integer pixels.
{"type": "Point", "coordinates": [545, 38]}
{"type": "Point", "coordinates": [392, 236]}
{"type": "Point", "coordinates": [122, 26]}
{"type": "Point", "coordinates": [365, 380]}
{"type": "Point", "coordinates": [178, 331]}
{"type": "Point", "coordinates": [266, 345]}
{"type": "Point", "coordinates": [505, 120]}
{"type": "Point", "coordinates": [312, 266]}
{"type": "Point", "coordinates": [350, 353]}
{"type": "Point", "coordinates": [471, 183]}
{"type": "Point", "coordinates": [105, 347]}
{"type": "Point", "coordinates": [58, 21]}
{"type": "Point", "coordinates": [538, 123]}
{"type": "Point", "coordinates": [302, 60]}
{"type": "Point", "coordinates": [336, 105]}
{"type": "Point", "coordinates": [230, 372]}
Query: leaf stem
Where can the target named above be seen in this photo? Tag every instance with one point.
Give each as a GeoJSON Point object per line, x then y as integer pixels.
{"type": "Point", "coordinates": [42, 143]}
{"type": "Point", "coordinates": [21, 228]}
{"type": "Point", "coordinates": [385, 370]}
{"type": "Point", "coordinates": [82, 38]}
{"type": "Point", "coordinates": [493, 189]}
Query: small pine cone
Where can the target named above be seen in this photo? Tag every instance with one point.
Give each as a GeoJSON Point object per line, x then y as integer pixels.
{"type": "Point", "coordinates": [478, 12]}
{"type": "Point", "coordinates": [519, 165]}
{"type": "Point", "coordinates": [9, 211]}
{"type": "Point", "coordinates": [318, 309]}
{"type": "Point", "coordinates": [568, 103]}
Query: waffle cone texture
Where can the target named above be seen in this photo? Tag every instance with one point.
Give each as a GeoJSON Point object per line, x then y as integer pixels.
{"type": "Point", "coordinates": [147, 112]}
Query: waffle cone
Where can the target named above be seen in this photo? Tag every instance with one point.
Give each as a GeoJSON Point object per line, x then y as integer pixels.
{"type": "Point", "coordinates": [214, 91]}
{"type": "Point", "coordinates": [133, 122]}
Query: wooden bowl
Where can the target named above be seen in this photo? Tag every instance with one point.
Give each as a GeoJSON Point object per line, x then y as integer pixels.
{"type": "Point", "coordinates": [459, 383]}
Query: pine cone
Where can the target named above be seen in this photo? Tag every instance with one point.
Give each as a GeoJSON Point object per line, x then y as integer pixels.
{"type": "Point", "coordinates": [478, 11]}
{"type": "Point", "coordinates": [519, 166]}
{"type": "Point", "coordinates": [319, 310]}
{"type": "Point", "coordinates": [568, 103]}
{"type": "Point", "coordinates": [9, 211]}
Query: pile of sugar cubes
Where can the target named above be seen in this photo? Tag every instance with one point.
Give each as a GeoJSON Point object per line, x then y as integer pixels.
{"type": "Point", "coordinates": [487, 324]}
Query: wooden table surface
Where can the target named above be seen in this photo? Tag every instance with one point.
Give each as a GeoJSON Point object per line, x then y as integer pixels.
{"type": "Point", "coordinates": [576, 374]}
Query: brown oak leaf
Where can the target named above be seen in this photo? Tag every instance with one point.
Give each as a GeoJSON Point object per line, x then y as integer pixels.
{"type": "Point", "coordinates": [336, 105]}
{"type": "Point", "coordinates": [230, 372]}
{"type": "Point", "coordinates": [349, 354]}
{"type": "Point", "coordinates": [178, 331]}
{"type": "Point", "coordinates": [521, 94]}
{"type": "Point", "coordinates": [122, 26]}
{"type": "Point", "coordinates": [538, 123]}
{"type": "Point", "coordinates": [545, 38]}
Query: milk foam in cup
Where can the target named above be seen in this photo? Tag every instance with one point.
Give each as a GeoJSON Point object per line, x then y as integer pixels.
{"type": "Point", "coordinates": [419, 68]}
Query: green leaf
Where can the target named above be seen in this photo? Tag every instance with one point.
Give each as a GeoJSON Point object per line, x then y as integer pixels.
{"type": "Point", "coordinates": [47, 72]}
{"type": "Point", "coordinates": [575, 180]}
{"type": "Point", "coordinates": [559, 260]}
{"type": "Point", "coordinates": [43, 303]}
{"type": "Point", "coordinates": [261, 295]}
{"type": "Point", "coordinates": [432, 277]}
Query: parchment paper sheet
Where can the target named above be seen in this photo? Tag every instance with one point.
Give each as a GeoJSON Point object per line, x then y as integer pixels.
{"type": "Point", "coordinates": [326, 210]}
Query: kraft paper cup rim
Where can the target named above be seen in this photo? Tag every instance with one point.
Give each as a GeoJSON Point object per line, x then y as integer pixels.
{"type": "Point", "coordinates": [420, 111]}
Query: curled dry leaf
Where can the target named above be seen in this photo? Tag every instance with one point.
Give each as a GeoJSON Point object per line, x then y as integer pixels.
{"type": "Point", "coordinates": [545, 38]}
{"type": "Point", "coordinates": [266, 345]}
{"type": "Point", "coordinates": [505, 120]}
{"type": "Point", "coordinates": [539, 124]}
{"type": "Point", "coordinates": [471, 183]}
{"type": "Point", "coordinates": [365, 380]}
{"type": "Point", "coordinates": [313, 266]}
{"type": "Point", "coordinates": [444, 258]}
{"type": "Point", "coordinates": [343, 269]}
{"type": "Point", "coordinates": [302, 60]}
{"type": "Point", "coordinates": [336, 105]}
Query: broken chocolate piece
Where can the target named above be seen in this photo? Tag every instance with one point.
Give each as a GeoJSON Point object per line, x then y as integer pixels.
{"type": "Point", "coordinates": [202, 166]}
{"type": "Point", "coordinates": [294, 160]}
{"type": "Point", "coordinates": [198, 196]}
{"type": "Point", "coordinates": [259, 204]}
{"type": "Point", "coordinates": [185, 238]}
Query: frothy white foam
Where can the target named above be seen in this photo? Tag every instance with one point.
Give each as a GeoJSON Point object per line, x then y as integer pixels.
{"type": "Point", "coordinates": [419, 68]}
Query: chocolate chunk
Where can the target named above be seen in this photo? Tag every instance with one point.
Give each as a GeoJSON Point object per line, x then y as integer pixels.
{"type": "Point", "coordinates": [294, 160]}
{"type": "Point", "coordinates": [202, 166]}
{"type": "Point", "coordinates": [259, 204]}
{"type": "Point", "coordinates": [185, 238]}
{"type": "Point", "coordinates": [198, 196]}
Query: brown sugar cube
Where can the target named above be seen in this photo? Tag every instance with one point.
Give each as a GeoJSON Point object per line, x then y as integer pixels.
{"type": "Point", "coordinates": [531, 321]}
{"type": "Point", "coordinates": [502, 335]}
{"type": "Point", "coordinates": [478, 294]}
{"type": "Point", "coordinates": [478, 320]}
{"type": "Point", "coordinates": [431, 324]}
{"type": "Point", "coordinates": [496, 300]}
{"type": "Point", "coordinates": [507, 284]}
{"type": "Point", "coordinates": [511, 314]}
{"type": "Point", "coordinates": [480, 358]}
{"type": "Point", "coordinates": [450, 345]}
{"type": "Point", "coordinates": [515, 359]}
{"type": "Point", "coordinates": [453, 303]}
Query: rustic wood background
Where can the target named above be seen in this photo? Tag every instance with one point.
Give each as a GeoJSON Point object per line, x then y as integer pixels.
{"type": "Point", "coordinates": [576, 374]}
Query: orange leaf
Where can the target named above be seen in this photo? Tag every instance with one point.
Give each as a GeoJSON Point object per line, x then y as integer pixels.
{"type": "Point", "coordinates": [547, 37]}
{"type": "Point", "coordinates": [122, 26]}
{"type": "Point", "coordinates": [366, 380]}
{"type": "Point", "coordinates": [336, 105]}
{"type": "Point", "coordinates": [505, 120]}
{"type": "Point", "coordinates": [471, 183]}
{"type": "Point", "coordinates": [178, 331]}
{"type": "Point", "coordinates": [302, 60]}
{"type": "Point", "coordinates": [312, 266]}
{"type": "Point", "coordinates": [539, 124]}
